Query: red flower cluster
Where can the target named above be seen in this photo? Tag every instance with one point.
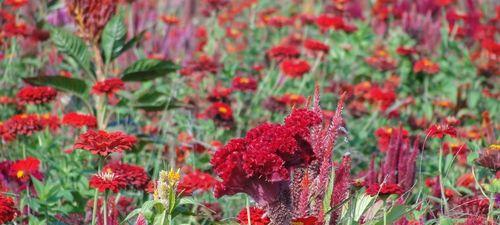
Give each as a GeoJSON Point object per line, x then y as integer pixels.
{"type": "Point", "coordinates": [79, 120]}
{"type": "Point", "coordinates": [425, 66]}
{"type": "Point", "coordinates": [384, 189]}
{"type": "Point", "coordinates": [23, 124]}
{"type": "Point", "coordinates": [381, 60]}
{"type": "Point", "coordinates": [440, 130]}
{"type": "Point", "coordinates": [282, 52]}
{"type": "Point", "coordinates": [244, 84]}
{"type": "Point", "coordinates": [135, 176]}
{"type": "Point", "coordinates": [194, 181]}
{"type": "Point", "coordinates": [384, 135]}
{"type": "Point", "coordinates": [104, 181]}
{"type": "Point", "coordinates": [326, 22]}
{"type": "Point", "coordinates": [103, 143]}
{"type": "Point", "coordinates": [109, 86]}
{"type": "Point", "coordinates": [23, 170]}
{"type": "Point", "coordinates": [258, 163]}
{"type": "Point", "coordinates": [36, 95]}
{"type": "Point", "coordinates": [220, 112]}
{"type": "Point", "coordinates": [8, 211]}
{"type": "Point", "coordinates": [316, 46]}
{"type": "Point", "coordinates": [203, 65]}
{"type": "Point", "coordinates": [295, 67]}
{"type": "Point", "coordinates": [256, 216]}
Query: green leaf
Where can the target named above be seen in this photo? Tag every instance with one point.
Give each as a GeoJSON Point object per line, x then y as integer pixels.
{"type": "Point", "coordinates": [131, 43]}
{"type": "Point", "coordinates": [113, 37]}
{"type": "Point", "coordinates": [394, 214]}
{"type": "Point", "coordinates": [39, 187]}
{"type": "Point", "coordinates": [148, 69]}
{"type": "Point", "coordinates": [74, 47]}
{"type": "Point", "coordinates": [72, 85]}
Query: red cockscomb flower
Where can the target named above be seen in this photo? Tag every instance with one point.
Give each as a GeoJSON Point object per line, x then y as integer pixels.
{"type": "Point", "coordinates": [384, 135]}
{"type": "Point", "coordinates": [36, 95]}
{"type": "Point", "coordinates": [316, 46]}
{"type": "Point", "coordinates": [244, 84]}
{"type": "Point", "coordinates": [295, 67]}
{"type": "Point", "coordinates": [79, 120]}
{"type": "Point", "coordinates": [8, 211]}
{"type": "Point", "coordinates": [384, 189]}
{"type": "Point", "coordinates": [103, 143]}
{"type": "Point", "coordinates": [135, 176]}
{"type": "Point", "coordinates": [104, 181]}
{"type": "Point", "coordinates": [256, 216]}
{"type": "Point", "coordinates": [22, 170]}
{"type": "Point", "coordinates": [282, 52]}
{"type": "Point", "coordinates": [194, 181]}
{"type": "Point", "coordinates": [426, 66]}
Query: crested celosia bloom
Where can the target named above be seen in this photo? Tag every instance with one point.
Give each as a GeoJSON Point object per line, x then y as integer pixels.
{"type": "Point", "coordinates": [256, 216]}
{"type": "Point", "coordinates": [103, 143]}
{"type": "Point", "coordinates": [316, 46]}
{"type": "Point", "coordinates": [134, 176]}
{"type": "Point", "coordinates": [295, 67]}
{"type": "Point", "coordinates": [425, 66]}
{"type": "Point", "coordinates": [195, 181]}
{"type": "Point", "coordinates": [91, 16]}
{"type": "Point", "coordinates": [104, 181]}
{"type": "Point", "coordinates": [8, 211]}
{"type": "Point", "coordinates": [384, 189]}
{"type": "Point", "coordinates": [282, 52]}
{"type": "Point", "coordinates": [22, 170]}
{"type": "Point", "coordinates": [36, 95]}
{"type": "Point", "coordinates": [384, 135]}
{"type": "Point", "coordinates": [79, 120]}
{"type": "Point", "coordinates": [244, 84]}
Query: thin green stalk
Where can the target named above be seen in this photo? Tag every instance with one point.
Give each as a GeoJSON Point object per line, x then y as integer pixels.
{"type": "Point", "coordinates": [105, 207]}
{"type": "Point", "coordinates": [441, 185]}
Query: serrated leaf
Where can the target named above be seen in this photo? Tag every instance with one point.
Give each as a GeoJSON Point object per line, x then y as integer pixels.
{"type": "Point", "coordinates": [131, 43]}
{"type": "Point", "coordinates": [72, 85]}
{"type": "Point", "coordinates": [72, 46]}
{"type": "Point", "coordinates": [113, 38]}
{"type": "Point", "coordinates": [148, 69]}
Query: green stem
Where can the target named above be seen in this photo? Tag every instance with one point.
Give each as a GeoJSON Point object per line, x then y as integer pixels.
{"type": "Point", "coordinates": [385, 212]}
{"type": "Point", "coordinates": [441, 185]}
{"type": "Point", "coordinates": [105, 207]}
{"type": "Point", "coordinates": [94, 209]}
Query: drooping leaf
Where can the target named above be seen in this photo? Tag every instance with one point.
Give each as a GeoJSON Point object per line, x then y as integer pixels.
{"type": "Point", "coordinates": [113, 38]}
{"type": "Point", "coordinates": [131, 43]}
{"type": "Point", "coordinates": [394, 214]}
{"type": "Point", "coordinates": [74, 47]}
{"type": "Point", "coordinates": [148, 69]}
{"type": "Point", "coordinates": [72, 85]}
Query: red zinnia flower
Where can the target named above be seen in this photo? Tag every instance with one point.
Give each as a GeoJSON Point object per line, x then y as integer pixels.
{"type": "Point", "coordinates": [282, 52]}
{"type": "Point", "coordinates": [16, 3]}
{"type": "Point", "coordinates": [23, 124]}
{"type": "Point", "coordinates": [104, 143]}
{"type": "Point", "coordinates": [135, 176]}
{"type": "Point", "coordinates": [220, 111]}
{"type": "Point", "coordinates": [310, 220]}
{"type": "Point", "coordinates": [426, 66]}
{"type": "Point", "coordinates": [107, 181]}
{"type": "Point", "coordinates": [440, 130]}
{"type": "Point", "coordinates": [79, 120]}
{"type": "Point", "coordinates": [385, 189]}
{"type": "Point", "coordinates": [244, 84]}
{"type": "Point", "coordinates": [22, 170]}
{"type": "Point", "coordinates": [292, 99]}
{"type": "Point", "coordinates": [8, 211]}
{"type": "Point", "coordinates": [256, 216]}
{"type": "Point", "coordinates": [108, 87]}
{"type": "Point", "coordinates": [170, 20]}
{"type": "Point", "coordinates": [295, 67]}
{"type": "Point", "coordinates": [50, 121]}
{"type": "Point", "coordinates": [194, 181]}
{"type": "Point", "coordinates": [316, 46]}
{"type": "Point", "coordinates": [36, 95]}
{"type": "Point", "coordinates": [325, 22]}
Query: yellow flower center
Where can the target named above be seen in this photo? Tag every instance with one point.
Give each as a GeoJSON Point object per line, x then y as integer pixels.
{"type": "Point", "coordinates": [244, 80]}
{"type": "Point", "coordinates": [222, 110]}
{"type": "Point", "coordinates": [495, 147]}
{"type": "Point", "coordinates": [20, 174]}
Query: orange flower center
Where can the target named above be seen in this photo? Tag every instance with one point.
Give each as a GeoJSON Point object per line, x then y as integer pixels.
{"type": "Point", "coordinates": [223, 110]}
{"type": "Point", "coordinates": [20, 174]}
{"type": "Point", "coordinates": [244, 80]}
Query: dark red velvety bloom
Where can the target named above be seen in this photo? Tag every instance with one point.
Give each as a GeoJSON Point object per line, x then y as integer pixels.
{"type": "Point", "coordinates": [194, 181]}
{"type": "Point", "coordinates": [8, 211]}
{"type": "Point", "coordinates": [36, 95]}
{"type": "Point", "coordinates": [282, 52]}
{"type": "Point", "coordinates": [244, 84]}
{"type": "Point", "coordinates": [104, 143]}
{"type": "Point", "coordinates": [316, 46]}
{"type": "Point", "coordinates": [295, 67]}
{"type": "Point", "coordinates": [384, 189]}
{"type": "Point", "coordinates": [256, 216]}
{"type": "Point", "coordinates": [103, 181]}
{"type": "Point", "coordinates": [259, 163]}
{"type": "Point", "coordinates": [109, 86]}
{"type": "Point", "coordinates": [135, 176]}
{"type": "Point", "coordinates": [22, 170]}
{"type": "Point", "coordinates": [79, 120]}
